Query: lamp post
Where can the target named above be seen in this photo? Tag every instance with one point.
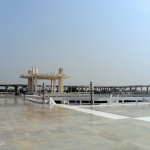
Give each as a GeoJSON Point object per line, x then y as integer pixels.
{"type": "Point", "coordinates": [91, 92]}
{"type": "Point", "coordinates": [43, 93]}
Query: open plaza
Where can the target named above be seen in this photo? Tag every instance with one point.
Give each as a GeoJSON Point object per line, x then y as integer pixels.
{"type": "Point", "coordinates": [29, 125]}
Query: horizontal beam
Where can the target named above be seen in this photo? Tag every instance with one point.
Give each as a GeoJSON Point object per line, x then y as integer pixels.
{"type": "Point", "coordinates": [84, 86]}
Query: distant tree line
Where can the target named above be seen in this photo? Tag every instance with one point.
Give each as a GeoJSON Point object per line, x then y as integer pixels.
{"type": "Point", "coordinates": [9, 90]}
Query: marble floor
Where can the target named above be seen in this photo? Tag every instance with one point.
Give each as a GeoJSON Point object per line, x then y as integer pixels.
{"type": "Point", "coordinates": [30, 126]}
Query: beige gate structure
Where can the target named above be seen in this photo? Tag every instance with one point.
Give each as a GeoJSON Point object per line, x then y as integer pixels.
{"type": "Point", "coordinates": [33, 77]}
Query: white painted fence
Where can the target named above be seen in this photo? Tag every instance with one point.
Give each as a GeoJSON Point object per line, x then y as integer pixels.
{"type": "Point", "coordinates": [85, 100]}
{"type": "Point", "coordinates": [39, 99]}
{"type": "Point", "coordinates": [109, 100]}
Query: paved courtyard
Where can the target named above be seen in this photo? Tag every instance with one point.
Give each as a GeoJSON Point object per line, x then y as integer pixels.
{"type": "Point", "coordinates": [29, 126]}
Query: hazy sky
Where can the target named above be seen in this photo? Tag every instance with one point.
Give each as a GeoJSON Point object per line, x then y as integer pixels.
{"type": "Point", "coordinates": [104, 41]}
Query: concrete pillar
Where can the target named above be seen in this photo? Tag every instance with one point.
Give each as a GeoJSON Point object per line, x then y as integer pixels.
{"type": "Point", "coordinates": [65, 88]}
{"type": "Point", "coordinates": [51, 86]}
{"type": "Point", "coordinates": [16, 90]}
{"type": "Point", "coordinates": [95, 90]}
{"type": "Point", "coordinates": [130, 89]}
{"type": "Point", "coordinates": [108, 90]}
{"type": "Point", "coordinates": [24, 89]}
{"type": "Point", "coordinates": [141, 90]}
{"type": "Point", "coordinates": [32, 87]}
{"type": "Point", "coordinates": [29, 85]}
{"type": "Point", "coordinates": [6, 89]}
{"type": "Point", "coordinates": [61, 85]}
{"type": "Point", "coordinates": [99, 90]}
{"type": "Point", "coordinates": [78, 89]}
{"type": "Point", "coordinates": [135, 89]}
{"type": "Point", "coordinates": [71, 89]}
{"type": "Point", "coordinates": [147, 89]}
{"type": "Point", "coordinates": [35, 84]}
{"type": "Point", "coordinates": [82, 89]}
{"type": "Point", "coordinates": [113, 90]}
{"type": "Point", "coordinates": [54, 85]}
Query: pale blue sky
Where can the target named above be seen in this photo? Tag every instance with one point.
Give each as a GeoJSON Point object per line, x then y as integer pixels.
{"type": "Point", "coordinates": [104, 41]}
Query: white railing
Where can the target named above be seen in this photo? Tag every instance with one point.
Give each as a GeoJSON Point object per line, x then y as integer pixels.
{"type": "Point", "coordinates": [85, 99]}
{"type": "Point", "coordinates": [39, 99]}
{"type": "Point", "coordinates": [108, 100]}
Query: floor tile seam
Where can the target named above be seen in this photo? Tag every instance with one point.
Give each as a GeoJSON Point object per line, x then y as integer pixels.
{"type": "Point", "coordinates": [99, 113]}
{"type": "Point", "coordinates": [102, 114]}
{"type": "Point", "coordinates": [147, 119]}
